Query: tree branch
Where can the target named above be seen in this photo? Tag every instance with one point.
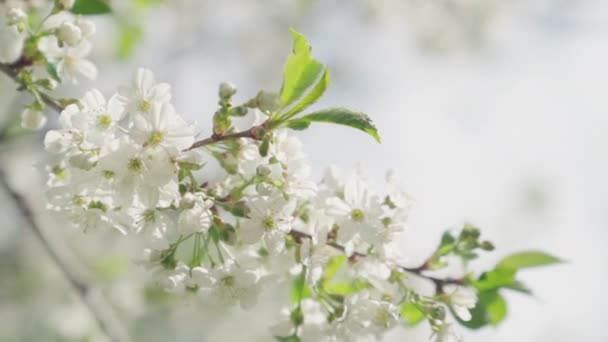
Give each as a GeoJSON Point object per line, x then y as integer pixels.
{"type": "Point", "coordinates": [254, 132]}
{"type": "Point", "coordinates": [417, 271]}
{"type": "Point", "coordinates": [12, 72]}
{"type": "Point", "coordinates": [97, 306]}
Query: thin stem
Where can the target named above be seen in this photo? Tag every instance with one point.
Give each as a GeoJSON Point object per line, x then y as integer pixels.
{"type": "Point", "coordinates": [12, 72]}
{"type": "Point", "coordinates": [418, 271]}
{"type": "Point", "coordinates": [99, 309]}
{"type": "Point", "coordinates": [249, 133]}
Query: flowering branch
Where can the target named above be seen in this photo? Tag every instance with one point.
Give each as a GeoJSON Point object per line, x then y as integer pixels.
{"type": "Point", "coordinates": [418, 271]}
{"type": "Point", "coordinates": [13, 72]}
{"type": "Point", "coordinates": [98, 308]}
{"type": "Point", "coordinates": [120, 164]}
{"type": "Point", "coordinates": [254, 132]}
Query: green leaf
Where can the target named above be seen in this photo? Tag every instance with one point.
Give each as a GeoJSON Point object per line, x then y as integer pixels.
{"type": "Point", "coordinates": [51, 69]}
{"type": "Point", "coordinates": [299, 288]}
{"type": "Point", "coordinates": [340, 116]}
{"type": "Point", "coordinates": [345, 288]}
{"type": "Point", "coordinates": [519, 287]}
{"type": "Point", "coordinates": [302, 72]}
{"type": "Point", "coordinates": [526, 260]}
{"type": "Point", "coordinates": [129, 36]}
{"type": "Point", "coordinates": [412, 314]}
{"type": "Point", "coordinates": [496, 307]}
{"type": "Point", "coordinates": [90, 7]}
{"type": "Point", "coordinates": [312, 96]}
{"type": "Point", "coordinates": [495, 279]}
{"type": "Point", "coordinates": [491, 308]}
{"type": "Point", "coordinates": [334, 264]}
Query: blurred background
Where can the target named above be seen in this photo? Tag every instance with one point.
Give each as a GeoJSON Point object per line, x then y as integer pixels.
{"type": "Point", "coordinates": [491, 112]}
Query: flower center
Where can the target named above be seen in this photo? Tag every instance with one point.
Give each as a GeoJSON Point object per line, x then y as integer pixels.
{"type": "Point", "coordinates": [135, 165]}
{"type": "Point", "coordinates": [104, 121]}
{"type": "Point", "coordinates": [155, 138]}
{"type": "Point", "coordinates": [149, 215]}
{"type": "Point", "coordinates": [144, 106]}
{"type": "Point", "coordinates": [107, 174]}
{"type": "Point", "coordinates": [269, 223]}
{"type": "Point", "coordinates": [357, 215]}
{"type": "Point", "coordinates": [228, 281]}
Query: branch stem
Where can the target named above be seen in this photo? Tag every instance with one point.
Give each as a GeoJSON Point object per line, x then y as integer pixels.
{"type": "Point", "coordinates": [417, 271]}
{"type": "Point", "coordinates": [12, 72]}
{"type": "Point", "coordinates": [99, 309]}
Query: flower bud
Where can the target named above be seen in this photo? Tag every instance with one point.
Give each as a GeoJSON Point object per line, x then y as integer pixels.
{"type": "Point", "coordinates": [47, 83]}
{"type": "Point", "coordinates": [69, 33]}
{"type": "Point", "coordinates": [87, 27]}
{"type": "Point", "coordinates": [263, 170]}
{"type": "Point", "coordinates": [188, 200]}
{"type": "Point", "coordinates": [82, 161]}
{"type": "Point", "coordinates": [65, 4]}
{"type": "Point", "coordinates": [227, 90]}
{"type": "Point", "coordinates": [267, 102]}
{"type": "Point", "coordinates": [15, 16]}
{"type": "Point", "coordinates": [31, 119]}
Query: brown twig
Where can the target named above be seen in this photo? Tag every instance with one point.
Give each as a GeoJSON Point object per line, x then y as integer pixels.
{"type": "Point", "coordinates": [12, 71]}
{"type": "Point", "coordinates": [417, 271]}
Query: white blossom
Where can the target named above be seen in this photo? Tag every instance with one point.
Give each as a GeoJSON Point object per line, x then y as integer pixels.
{"type": "Point", "coordinates": [32, 119]}
{"type": "Point", "coordinates": [462, 299]}
{"type": "Point", "coordinates": [69, 33]}
{"type": "Point", "coordinates": [71, 60]}
{"type": "Point", "coordinates": [144, 92]}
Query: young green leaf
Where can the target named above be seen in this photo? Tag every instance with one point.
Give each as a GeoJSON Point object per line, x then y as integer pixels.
{"type": "Point", "coordinates": [334, 264]}
{"type": "Point", "coordinates": [299, 289]}
{"type": "Point", "coordinates": [412, 314]}
{"type": "Point", "coordinates": [527, 260]}
{"type": "Point", "coordinates": [129, 36]}
{"type": "Point", "coordinates": [304, 77]}
{"type": "Point", "coordinates": [491, 308]}
{"type": "Point", "coordinates": [91, 7]}
{"type": "Point", "coordinates": [312, 96]}
{"type": "Point", "coordinates": [51, 69]}
{"type": "Point", "coordinates": [496, 307]}
{"type": "Point", "coordinates": [345, 288]}
{"type": "Point", "coordinates": [340, 116]}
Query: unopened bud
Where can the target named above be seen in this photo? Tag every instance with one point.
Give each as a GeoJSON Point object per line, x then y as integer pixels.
{"type": "Point", "coordinates": [87, 27]}
{"type": "Point", "coordinates": [267, 102]}
{"type": "Point", "coordinates": [65, 4]}
{"type": "Point", "coordinates": [263, 171]}
{"type": "Point", "coordinates": [15, 16]}
{"type": "Point", "coordinates": [47, 83]}
{"type": "Point", "coordinates": [227, 90]}
{"type": "Point", "coordinates": [32, 119]}
{"type": "Point", "coordinates": [487, 246]}
{"type": "Point", "coordinates": [188, 200]}
{"type": "Point", "coordinates": [69, 33]}
{"type": "Point", "coordinates": [238, 111]}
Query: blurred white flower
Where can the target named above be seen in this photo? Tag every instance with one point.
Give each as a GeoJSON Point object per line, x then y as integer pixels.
{"type": "Point", "coordinates": [32, 119]}
{"type": "Point", "coordinates": [69, 33]}
{"type": "Point", "coordinates": [71, 62]}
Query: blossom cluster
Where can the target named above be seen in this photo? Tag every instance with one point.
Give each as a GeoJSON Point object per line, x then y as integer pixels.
{"type": "Point", "coordinates": [220, 218]}
{"type": "Point", "coordinates": [125, 164]}
{"type": "Point", "coordinates": [58, 46]}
